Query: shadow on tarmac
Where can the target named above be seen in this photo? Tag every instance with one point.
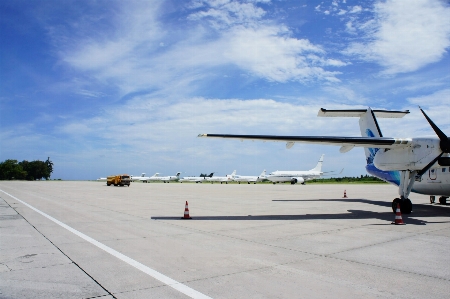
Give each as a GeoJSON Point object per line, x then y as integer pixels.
{"type": "Point", "coordinates": [419, 211]}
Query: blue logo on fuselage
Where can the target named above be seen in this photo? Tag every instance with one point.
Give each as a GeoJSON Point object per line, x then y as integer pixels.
{"type": "Point", "coordinates": [373, 151]}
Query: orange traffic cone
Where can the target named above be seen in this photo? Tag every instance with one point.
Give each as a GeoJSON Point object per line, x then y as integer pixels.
{"type": "Point", "coordinates": [398, 216]}
{"type": "Point", "coordinates": [186, 212]}
{"type": "Point", "coordinates": [345, 194]}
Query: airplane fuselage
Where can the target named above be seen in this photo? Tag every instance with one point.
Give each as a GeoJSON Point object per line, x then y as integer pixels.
{"type": "Point", "coordinates": [196, 179]}
{"type": "Point", "coordinates": [247, 178]}
{"type": "Point", "coordinates": [288, 176]}
{"type": "Point", "coordinates": [435, 181]}
{"type": "Point", "coordinates": [220, 179]}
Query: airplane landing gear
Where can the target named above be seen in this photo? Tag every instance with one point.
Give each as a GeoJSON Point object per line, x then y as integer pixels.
{"type": "Point", "coordinates": [432, 199]}
{"type": "Point", "coordinates": [405, 205]}
{"type": "Point", "coordinates": [407, 179]}
{"type": "Point", "coordinates": [443, 200]}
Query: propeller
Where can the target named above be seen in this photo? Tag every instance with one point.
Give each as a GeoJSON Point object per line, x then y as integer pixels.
{"type": "Point", "coordinates": [444, 144]}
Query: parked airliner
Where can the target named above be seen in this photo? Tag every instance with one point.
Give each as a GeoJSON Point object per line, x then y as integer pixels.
{"type": "Point", "coordinates": [297, 176]}
{"type": "Point", "coordinates": [418, 164]}
{"type": "Point", "coordinates": [250, 178]}
{"type": "Point", "coordinates": [196, 179]}
{"type": "Point", "coordinates": [165, 179]}
{"type": "Point", "coordinates": [141, 178]}
{"type": "Point", "coordinates": [222, 179]}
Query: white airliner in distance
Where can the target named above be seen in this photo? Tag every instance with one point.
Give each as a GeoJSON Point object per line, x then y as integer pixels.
{"type": "Point", "coordinates": [141, 178]}
{"type": "Point", "coordinates": [222, 179]}
{"type": "Point", "coordinates": [165, 179]}
{"type": "Point", "coordinates": [418, 164]}
{"type": "Point", "coordinates": [297, 176]}
{"type": "Point", "coordinates": [250, 178]}
{"type": "Point", "coordinates": [196, 179]}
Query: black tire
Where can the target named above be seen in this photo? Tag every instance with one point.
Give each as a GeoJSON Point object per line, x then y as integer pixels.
{"type": "Point", "coordinates": [405, 205]}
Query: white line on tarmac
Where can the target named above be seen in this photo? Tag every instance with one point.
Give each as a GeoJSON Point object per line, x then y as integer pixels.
{"type": "Point", "coordinates": [153, 273]}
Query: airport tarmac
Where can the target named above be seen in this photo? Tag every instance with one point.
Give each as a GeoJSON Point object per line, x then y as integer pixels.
{"type": "Point", "coordinates": [82, 239]}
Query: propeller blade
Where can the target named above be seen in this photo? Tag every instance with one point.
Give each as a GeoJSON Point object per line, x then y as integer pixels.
{"type": "Point", "coordinates": [435, 128]}
{"type": "Point", "coordinates": [425, 169]}
{"type": "Point", "coordinates": [445, 141]}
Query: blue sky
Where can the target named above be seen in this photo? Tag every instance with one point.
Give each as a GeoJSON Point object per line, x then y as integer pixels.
{"type": "Point", "coordinates": [106, 87]}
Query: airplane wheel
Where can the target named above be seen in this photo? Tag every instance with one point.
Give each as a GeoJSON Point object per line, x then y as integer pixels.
{"type": "Point", "coordinates": [274, 183]}
{"type": "Point", "coordinates": [432, 199]}
{"type": "Point", "coordinates": [405, 205]}
{"type": "Point", "coordinates": [443, 200]}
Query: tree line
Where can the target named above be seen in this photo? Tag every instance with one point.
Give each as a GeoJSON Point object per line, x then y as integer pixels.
{"type": "Point", "coordinates": [25, 170]}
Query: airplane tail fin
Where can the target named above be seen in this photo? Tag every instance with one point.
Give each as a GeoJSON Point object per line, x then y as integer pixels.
{"type": "Point", "coordinates": [368, 124]}
{"type": "Point", "coordinates": [156, 174]}
{"type": "Point", "coordinates": [263, 174]}
{"type": "Point", "coordinates": [178, 174]}
{"type": "Point", "coordinates": [211, 174]}
{"type": "Point", "coordinates": [142, 174]}
{"type": "Point", "coordinates": [232, 174]}
{"type": "Point", "coordinates": [319, 164]}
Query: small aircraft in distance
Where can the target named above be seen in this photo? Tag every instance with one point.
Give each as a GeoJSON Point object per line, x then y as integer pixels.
{"type": "Point", "coordinates": [141, 178]}
{"type": "Point", "coordinates": [221, 179]}
{"type": "Point", "coordinates": [400, 161]}
{"type": "Point", "coordinates": [165, 179]}
{"type": "Point", "coordinates": [297, 176]}
{"type": "Point", "coordinates": [250, 178]}
{"type": "Point", "coordinates": [196, 179]}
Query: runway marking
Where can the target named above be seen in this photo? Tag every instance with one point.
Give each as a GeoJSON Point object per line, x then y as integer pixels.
{"type": "Point", "coordinates": [153, 273]}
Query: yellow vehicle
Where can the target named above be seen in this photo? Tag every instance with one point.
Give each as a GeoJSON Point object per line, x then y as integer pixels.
{"type": "Point", "coordinates": [118, 180]}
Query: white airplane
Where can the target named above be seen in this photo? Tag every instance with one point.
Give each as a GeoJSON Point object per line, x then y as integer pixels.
{"type": "Point", "coordinates": [222, 179]}
{"type": "Point", "coordinates": [196, 179]}
{"type": "Point", "coordinates": [141, 178]}
{"type": "Point", "coordinates": [101, 179]}
{"type": "Point", "coordinates": [250, 179]}
{"type": "Point", "coordinates": [297, 176]}
{"type": "Point", "coordinates": [418, 164]}
{"type": "Point", "coordinates": [165, 179]}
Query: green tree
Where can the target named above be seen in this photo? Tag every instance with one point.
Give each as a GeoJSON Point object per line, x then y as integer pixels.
{"type": "Point", "coordinates": [10, 170]}
{"type": "Point", "coordinates": [37, 170]}
{"type": "Point", "coordinates": [49, 165]}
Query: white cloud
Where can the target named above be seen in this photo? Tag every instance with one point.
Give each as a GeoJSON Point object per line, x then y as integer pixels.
{"type": "Point", "coordinates": [356, 9]}
{"type": "Point", "coordinates": [439, 98]}
{"type": "Point", "coordinates": [132, 56]}
{"type": "Point", "coordinates": [405, 36]}
{"type": "Point", "coordinates": [223, 14]}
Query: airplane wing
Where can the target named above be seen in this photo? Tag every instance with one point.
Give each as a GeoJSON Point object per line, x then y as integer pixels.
{"type": "Point", "coordinates": [346, 143]}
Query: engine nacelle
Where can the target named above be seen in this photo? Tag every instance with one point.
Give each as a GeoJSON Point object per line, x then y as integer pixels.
{"type": "Point", "coordinates": [416, 156]}
{"type": "Point", "coordinates": [299, 180]}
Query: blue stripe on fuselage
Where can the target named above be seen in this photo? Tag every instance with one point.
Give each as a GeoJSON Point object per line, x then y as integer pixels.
{"type": "Point", "coordinates": [392, 177]}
